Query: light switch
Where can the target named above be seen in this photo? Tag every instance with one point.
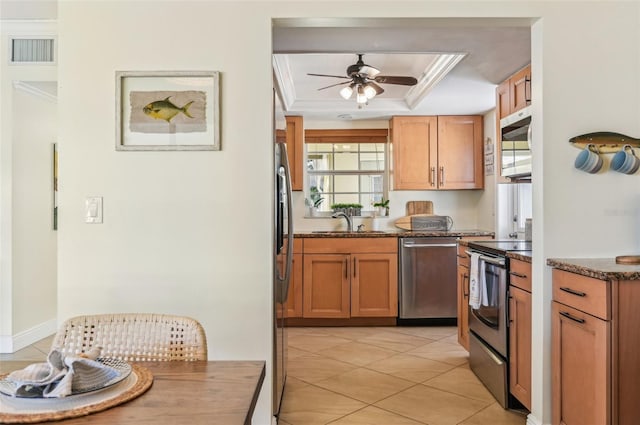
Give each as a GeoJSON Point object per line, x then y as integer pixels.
{"type": "Point", "coordinates": [93, 209]}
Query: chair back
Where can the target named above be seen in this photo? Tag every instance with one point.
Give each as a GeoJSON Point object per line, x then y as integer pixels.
{"type": "Point", "coordinates": [134, 337]}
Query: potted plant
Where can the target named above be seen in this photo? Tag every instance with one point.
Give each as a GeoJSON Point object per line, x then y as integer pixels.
{"type": "Point", "coordinates": [382, 207]}
{"type": "Point", "coordinates": [349, 209]}
{"type": "Point", "coordinates": [315, 201]}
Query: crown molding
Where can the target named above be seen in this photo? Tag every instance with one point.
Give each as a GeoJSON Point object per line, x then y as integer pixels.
{"type": "Point", "coordinates": [35, 91]}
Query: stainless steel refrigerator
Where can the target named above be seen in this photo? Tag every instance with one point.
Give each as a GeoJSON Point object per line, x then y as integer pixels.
{"type": "Point", "coordinates": [283, 250]}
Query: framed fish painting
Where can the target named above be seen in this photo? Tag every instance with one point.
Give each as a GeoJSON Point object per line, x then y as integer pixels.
{"type": "Point", "coordinates": [167, 111]}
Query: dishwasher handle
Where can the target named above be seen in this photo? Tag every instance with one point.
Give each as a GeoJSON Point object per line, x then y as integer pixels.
{"type": "Point", "coordinates": [428, 245]}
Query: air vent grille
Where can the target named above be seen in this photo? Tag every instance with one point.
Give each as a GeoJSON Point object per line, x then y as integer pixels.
{"type": "Point", "coordinates": [32, 50]}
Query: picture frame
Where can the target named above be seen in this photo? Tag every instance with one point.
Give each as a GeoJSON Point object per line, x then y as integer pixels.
{"type": "Point", "coordinates": [167, 111]}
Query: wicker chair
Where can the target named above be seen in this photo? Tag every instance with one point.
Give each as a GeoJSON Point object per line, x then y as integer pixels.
{"type": "Point", "coordinates": [134, 337]}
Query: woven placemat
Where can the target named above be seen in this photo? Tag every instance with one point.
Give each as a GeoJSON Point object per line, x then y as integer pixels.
{"type": "Point", "coordinates": [143, 382]}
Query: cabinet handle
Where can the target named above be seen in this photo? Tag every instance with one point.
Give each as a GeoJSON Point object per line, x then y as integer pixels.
{"type": "Point", "coordinates": [442, 176]}
{"type": "Point", "coordinates": [570, 317]}
{"type": "Point", "coordinates": [574, 292]}
{"type": "Point", "coordinates": [465, 288]}
{"type": "Point", "coordinates": [354, 267]}
{"type": "Point", "coordinates": [522, 276]}
{"type": "Point", "coordinates": [433, 176]}
{"type": "Point", "coordinates": [527, 98]}
{"type": "Point", "coordinates": [346, 268]}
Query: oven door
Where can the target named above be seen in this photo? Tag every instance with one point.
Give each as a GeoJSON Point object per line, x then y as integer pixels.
{"type": "Point", "coordinates": [489, 321]}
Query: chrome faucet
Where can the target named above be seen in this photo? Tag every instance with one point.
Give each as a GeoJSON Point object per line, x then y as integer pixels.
{"type": "Point", "coordinates": [342, 214]}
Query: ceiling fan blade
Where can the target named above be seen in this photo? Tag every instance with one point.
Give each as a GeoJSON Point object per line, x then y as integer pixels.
{"type": "Point", "coordinates": [333, 85]}
{"type": "Point", "coordinates": [334, 76]}
{"type": "Point", "coordinates": [388, 79]}
{"type": "Point", "coordinates": [369, 70]}
{"type": "Point", "coordinates": [377, 88]}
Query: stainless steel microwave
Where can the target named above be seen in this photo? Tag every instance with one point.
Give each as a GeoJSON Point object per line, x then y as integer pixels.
{"type": "Point", "coordinates": [515, 144]}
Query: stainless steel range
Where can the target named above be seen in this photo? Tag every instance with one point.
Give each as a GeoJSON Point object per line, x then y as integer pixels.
{"type": "Point", "coordinates": [488, 336]}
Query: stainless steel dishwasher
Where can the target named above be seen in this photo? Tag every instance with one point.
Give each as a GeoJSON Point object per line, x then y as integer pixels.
{"type": "Point", "coordinates": [428, 282]}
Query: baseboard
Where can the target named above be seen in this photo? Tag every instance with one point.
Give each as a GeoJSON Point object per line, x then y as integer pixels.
{"type": "Point", "coordinates": [11, 344]}
{"type": "Point", "coordinates": [532, 420]}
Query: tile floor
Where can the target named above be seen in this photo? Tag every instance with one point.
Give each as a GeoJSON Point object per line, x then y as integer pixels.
{"type": "Point", "coordinates": [386, 376]}
{"type": "Point", "coordinates": [373, 376]}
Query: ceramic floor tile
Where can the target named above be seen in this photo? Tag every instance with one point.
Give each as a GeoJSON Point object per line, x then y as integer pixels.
{"type": "Point", "coordinates": [413, 368]}
{"type": "Point", "coordinates": [316, 406]}
{"type": "Point", "coordinates": [357, 353]}
{"type": "Point", "coordinates": [372, 415]}
{"type": "Point", "coordinates": [27, 353]}
{"type": "Point", "coordinates": [443, 352]}
{"type": "Point", "coordinates": [355, 332]}
{"type": "Point", "coordinates": [496, 415]}
{"type": "Point", "coordinates": [365, 385]}
{"type": "Point", "coordinates": [293, 384]}
{"type": "Point", "coordinates": [44, 344]}
{"type": "Point", "coordinates": [313, 368]}
{"type": "Point", "coordinates": [461, 381]}
{"type": "Point", "coordinates": [432, 406]}
{"type": "Point", "coordinates": [315, 342]}
{"type": "Point", "coordinates": [431, 332]}
{"type": "Point", "coordinates": [293, 352]}
{"type": "Point", "coordinates": [395, 341]}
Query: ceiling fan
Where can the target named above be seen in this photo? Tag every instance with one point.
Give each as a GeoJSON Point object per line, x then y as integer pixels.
{"type": "Point", "coordinates": [364, 79]}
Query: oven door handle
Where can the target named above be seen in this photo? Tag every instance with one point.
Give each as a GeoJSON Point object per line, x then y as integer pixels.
{"type": "Point", "coordinates": [428, 245]}
{"type": "Point", "coordinates": [491, 260]}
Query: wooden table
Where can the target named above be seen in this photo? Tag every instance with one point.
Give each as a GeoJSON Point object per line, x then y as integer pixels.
{"type": "Point", "coordinates": [213, 392]}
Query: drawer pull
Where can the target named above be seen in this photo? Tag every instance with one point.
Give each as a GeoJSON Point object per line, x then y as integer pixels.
{"type": "Point", "coordinates": [522, 276]}
{"type": "Point", "coordinates": [570, 317]}
{"type": "Point", "coordinates": [573, 292]}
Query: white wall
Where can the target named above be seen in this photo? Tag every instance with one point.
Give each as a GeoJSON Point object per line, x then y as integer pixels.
{"type": "Point", "coordinates": [27, 242]}
{"type": "Point", "coordinates": [181, 228]}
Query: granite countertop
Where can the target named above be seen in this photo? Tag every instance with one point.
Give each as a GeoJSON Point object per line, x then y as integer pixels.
{"type": "Point", "coordinates": [521, 255]}
{"type": "Point", "coordinates": [391, 233]}
{"type": "Point", "coordinates": [598, 268]}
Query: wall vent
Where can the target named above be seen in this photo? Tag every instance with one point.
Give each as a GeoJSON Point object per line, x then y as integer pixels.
{"type": "Point", "coordinates": [32, 50]}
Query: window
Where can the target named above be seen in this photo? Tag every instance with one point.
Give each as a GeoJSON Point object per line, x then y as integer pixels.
{"type": "Point", "coordinates": [346, 172]}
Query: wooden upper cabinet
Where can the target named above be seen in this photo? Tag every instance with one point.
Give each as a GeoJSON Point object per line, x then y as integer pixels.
{"type": "Point", "coordinates": [294, 136]}
{"type": "Point", "coordinates": [503, 108]}
{"type": "Point", "coordinates": [460, 152]}
{"type": "Point", "coordinates": [444, 152]}
{"type": "Point", "coordinates": [520, 89]}
{"type": "Point", "coordinates": [415, 152]}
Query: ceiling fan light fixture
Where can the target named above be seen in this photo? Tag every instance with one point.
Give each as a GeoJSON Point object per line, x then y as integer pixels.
{"type": "Point", "coordinates": [347, 92]}
{"type": "Point", "coordinates": [369, 91]}
{"type": "Point", "coordinates": [361, 98]}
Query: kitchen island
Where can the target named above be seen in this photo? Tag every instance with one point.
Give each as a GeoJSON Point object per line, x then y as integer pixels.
{"type": "Point", "coordinates": [595, 341]}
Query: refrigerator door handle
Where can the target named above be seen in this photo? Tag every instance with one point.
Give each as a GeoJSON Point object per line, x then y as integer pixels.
{"type": "Point", "coordinates": [287, 185]}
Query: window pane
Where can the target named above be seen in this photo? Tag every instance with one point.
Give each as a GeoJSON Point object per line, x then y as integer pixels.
{"type": "Point", "coordinates": [319, 162]}
{"type": "Point", "coordinates": [346, 162]}
{"type": "Point", "coordinates": [345, 147]}
{"type": "Point", "coordinates": [346, 184]}
{"type": "Point", "coordinates": [372, 161]}
{"type": "Point", "coordinates": [344, 198]}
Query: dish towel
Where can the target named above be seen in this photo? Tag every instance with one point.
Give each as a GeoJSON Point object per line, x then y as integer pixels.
{"type": "Point", "coordinates": [475, 292]}
{"type": "Point", "coordinates": [61, 375]}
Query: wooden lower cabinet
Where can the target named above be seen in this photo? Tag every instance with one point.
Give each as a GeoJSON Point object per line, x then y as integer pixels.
{"type": "Point", "coordinates": [463, 302]}
{"type": "Point", "coordinates": [294, 300]}
{"type": "Point", "coordinates": [326, 286]}
{"type": "Point", "coordinates": [594, 348]}
{"type": "Point", "coordinates": [520, 345]}
{"type": "Point", "coordinates": [374, 285]}
{"type": "Point", "coordinates": [350, 277]}
{"type": "Point", "coordinates": [581, 368]}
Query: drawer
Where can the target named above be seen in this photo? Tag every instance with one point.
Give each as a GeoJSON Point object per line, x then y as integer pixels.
{"type": "Point", "coordinates": [592, 296]}
{"type": "Point", "coordinates": [463, 257]}
{"type": "Point", "coordinates": [520, 274]}
{"type": "Point", "coordinates": [350, 245]}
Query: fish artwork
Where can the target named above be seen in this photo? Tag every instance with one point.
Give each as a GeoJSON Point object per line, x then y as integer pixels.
{"type": "Point", "coordinates": [605, 141]}
{"type": "Point", "coordinates": [166, 110]}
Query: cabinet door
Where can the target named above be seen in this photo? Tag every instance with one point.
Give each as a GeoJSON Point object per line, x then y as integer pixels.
{"type": "Point", "coordinates": [294, 300]}
{"type": "Point", "coordinates": [326, 290]}
{"type": "Point", "coordinates": [503, 105]}
{"type": "Point", "coordinates": [374, 285]}
{"type": "Point", "coordinates": [463, 306]}
{"type": "Point", "coordinates": [520, 345]}
{"type": "Point", "coordinates": [460, 152]}
{"type": "Point", "coordinates": [581, 367]}
{"type": "Point", "coordinates": [294, 138]}
{"type": "Point", "coordinates": [414, 152]}
{"type": "Point", "coordinates": [520, 89]}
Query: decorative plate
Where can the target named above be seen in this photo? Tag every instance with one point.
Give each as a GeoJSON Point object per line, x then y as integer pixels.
{"type": "Point", "coordinates": [122, 368]}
